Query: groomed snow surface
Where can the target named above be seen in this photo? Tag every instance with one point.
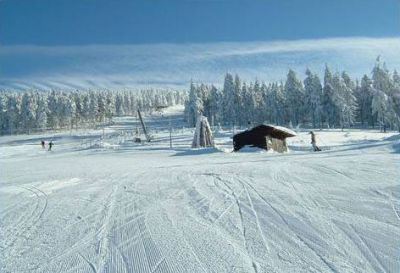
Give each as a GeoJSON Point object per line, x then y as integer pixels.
{"type": "Point", "coordinates": [113, 205]}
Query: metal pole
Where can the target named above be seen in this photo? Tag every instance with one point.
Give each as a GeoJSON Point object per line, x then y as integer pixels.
{"type": "Point", "coordinates": [170, 133]}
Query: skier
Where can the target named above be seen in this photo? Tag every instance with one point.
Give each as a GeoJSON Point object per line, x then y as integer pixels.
{"type": "Point", "coordinates": [314, 142]}
{"type": "Point", "coordinates": [43, 144]}
{"type": "Point", "coordinates": [50, 145]}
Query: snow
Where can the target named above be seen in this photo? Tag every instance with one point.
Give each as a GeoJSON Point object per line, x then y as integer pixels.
{"type": "Point", "coordinates": [148, 208]}
{"type": "Point", "coordinates": [283, 129]}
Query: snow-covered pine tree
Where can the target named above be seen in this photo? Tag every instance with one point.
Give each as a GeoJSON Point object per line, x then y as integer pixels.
{"type": "Point", "coordinates": [101, 104]}
{"type": "Point", "coordinates": [41, 113]}
{"type": "Point", "coordinates": [249, 103]}
{"type": "Point", "coordinates": [396, 95]}
{"type": "Point", "coordinates": [350, 102]}
{"type": "Point", "coordinates": [383, 82]}
{"type": "Point", "coordinates": [3, 112]}
{"type": "Point", "coordinates": [78, 105]}
{"type": "Point", "coordinates": [93, 107]}
{"type": "Point", "coordinates": [380, 107]}
{"type": "Point", "coordinates": [364, 96]}
{"type": "Point", "coordinates": [381, 77]}
{"type": "Point", "coordinates": [215, 102]}
{"type": "Point", "coordinates": [127, 104]}
{"type": "Point", "coordinates": [119, 107]}
{"type": "Point", "coordinates": [85, 108]}
{"type": "Point", "coordinates": [52, 107]}
{"type": "Point", "coordinates": [313, 98]}
{"type": "Point", "coordinates": [12, 114]}
{"type": "Point", "coordinates": [110, 106]}
{"type": "Point", "coordinates": [237, 93]}
{"type": "Point", "coordinates": [228, 101]}
{"type": "Point", "coordinates": [294, 93]}
{"type": "Point", "coordinates": [28, 110]}
{"type": "Point", "coordinates": [328, 99]}
{"type": "Point", "coordinates": [339, 88]}
{"type": "Point", "coordinates": [275, 101]}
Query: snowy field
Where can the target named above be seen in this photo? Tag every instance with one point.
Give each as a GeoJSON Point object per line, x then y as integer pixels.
{"type": "Point", "coordinates": [112, 205]}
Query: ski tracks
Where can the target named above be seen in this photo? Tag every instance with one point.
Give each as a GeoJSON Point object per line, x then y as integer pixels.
{"type": "Point", "coordinates": [21, 230]}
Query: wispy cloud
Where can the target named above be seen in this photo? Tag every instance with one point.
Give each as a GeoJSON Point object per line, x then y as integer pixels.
{"type": "Point", "coordinates": [174, 65]}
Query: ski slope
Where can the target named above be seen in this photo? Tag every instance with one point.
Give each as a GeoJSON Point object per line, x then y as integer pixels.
{"type": "Point", "coordinates": [112, 205]}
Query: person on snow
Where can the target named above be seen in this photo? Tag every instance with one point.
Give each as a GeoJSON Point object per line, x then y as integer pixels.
{"type": "Point", "coordinates": [43, 144]}
{"type": "Point", "coordinates": [314, 142]}
{"type": "Point", "coordinates": [50, 145]}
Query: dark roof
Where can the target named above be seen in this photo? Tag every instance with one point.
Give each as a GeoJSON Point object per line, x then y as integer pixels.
{"type": "Point", "coordinates": [270, 130]}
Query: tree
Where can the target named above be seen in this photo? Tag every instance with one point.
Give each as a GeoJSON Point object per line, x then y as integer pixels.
{"type": "Point", "coordinates": [3, 112]}
{"type": "Point", "coordinates": [214, 105]}
{"type": "Point", "coordinates": [237, 99]}
{"type": "Point", "coordinates": [52, 107]}
{"type": "Point", "coordinates": [349, 104]}
{"type": "Point", "coordinates": [396, 96]}
{"type": "Point", "coordinates": [381, 77]}
{"type": "Point", "coordinates": [28, 110]}
{"type": "Point", "coordinates": [41, 113]}
{"type": "Point", "coordinates": [364, 95]}
{"type": "Point", "coordinates": [228, 100]}
{"type": "Point", "coordinates": [101, 104]}
{"type": "Point", "coordinates": [11, 117]}
{"type": "Point", "coordinates": [294, 93]}
{"type": "Point", "coordinates": [110, 106]}
{"type": "Point", "coordinates": [194, 105]}
{"type": "Point", "coordinates": [119, 108]}
{"type": "Point", "coordinates": [93, 107]}
{"type": "Point", "coordinates": [328, 99]}
{"type": "Point", "coordinates": [380, 107]}
{"type": "Point", "coordinates": [313, 98]}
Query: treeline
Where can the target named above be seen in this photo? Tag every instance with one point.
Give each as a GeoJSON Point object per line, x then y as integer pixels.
{"type": "Point", "coordinates": [37, 111]}
{"type": "Point", "coordinates": [338, 101]}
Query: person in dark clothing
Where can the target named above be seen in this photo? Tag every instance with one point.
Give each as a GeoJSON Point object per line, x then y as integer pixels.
{"type": "Point", "coordinates": [43, 144]}
{"type": "Point", "coordinates": [50, 145]}
{"type": "Point", "coordinates": [314, 142]}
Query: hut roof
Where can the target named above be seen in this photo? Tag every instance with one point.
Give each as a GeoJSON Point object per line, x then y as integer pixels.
{"type": "Point", "coordinates": [272, 131]}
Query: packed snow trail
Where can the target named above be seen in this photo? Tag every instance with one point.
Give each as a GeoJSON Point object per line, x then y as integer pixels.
{"type": "Point", "coordinates": [152, 209]}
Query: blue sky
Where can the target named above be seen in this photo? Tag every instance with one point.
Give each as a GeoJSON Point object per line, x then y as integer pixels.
{"type": "Point", "coordinates": [88, 43]}
{"type": "Point", "coordinates": [79, 22]}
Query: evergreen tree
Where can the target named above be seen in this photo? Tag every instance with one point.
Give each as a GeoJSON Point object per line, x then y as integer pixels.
{"type": "Point", "coordinates": [313, 98]}
{"type": "Point", "coordinates": [294, 93]}
{"type": "Point", "coordinates": [237, 93]}
{"type": "Point", "coordinates": [11, 117]}
{"type": "Point", "coordinates": [119, 107]}
{"type": "Point", "coordinates": [328, 99]}
{"type": "Point", "coordinates": [52, 107]}
{"type": "Point", "coordinates": [93, 107]}
{"type": "Point", "coordinates": [28, 110]}
{"type": "Point", "coordinates": [380, 107]}
{"type": "Point", "coordinates": [41, 113]}
{"type": "Point", "coordinates": [349, 103]}
{"type": "Point", "coordinates": [228, 100]}
{"type": "Point", "coordinates": [3, 112]}
{"type": "Point", "coordinates": [364, 101]}
{"type": "Point", "coordinates": [85, 108]}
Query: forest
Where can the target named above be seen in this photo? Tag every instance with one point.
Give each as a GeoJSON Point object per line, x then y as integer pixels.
{"type": "Point", "coordinates": [38, 111]}
{"type": "Point", "coordinates": [336, 101]}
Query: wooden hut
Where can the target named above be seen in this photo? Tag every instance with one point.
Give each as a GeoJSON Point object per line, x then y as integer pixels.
{"type": "Point", "coordinates": [266, 137]}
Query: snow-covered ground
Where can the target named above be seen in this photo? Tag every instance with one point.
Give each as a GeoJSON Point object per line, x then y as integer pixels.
{"type": "Point", "coordinates": [110, 205]}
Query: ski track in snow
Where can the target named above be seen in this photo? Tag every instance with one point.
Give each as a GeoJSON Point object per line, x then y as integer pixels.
{"type": "Point", "coordinates": [146, 208]}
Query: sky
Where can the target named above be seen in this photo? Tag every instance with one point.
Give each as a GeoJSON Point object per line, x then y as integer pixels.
{"type": "Point", "coordinates": [47, 39]}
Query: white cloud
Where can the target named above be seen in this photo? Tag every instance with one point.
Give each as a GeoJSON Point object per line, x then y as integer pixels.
{"type": "Point", "coordinates": [174, 65]}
